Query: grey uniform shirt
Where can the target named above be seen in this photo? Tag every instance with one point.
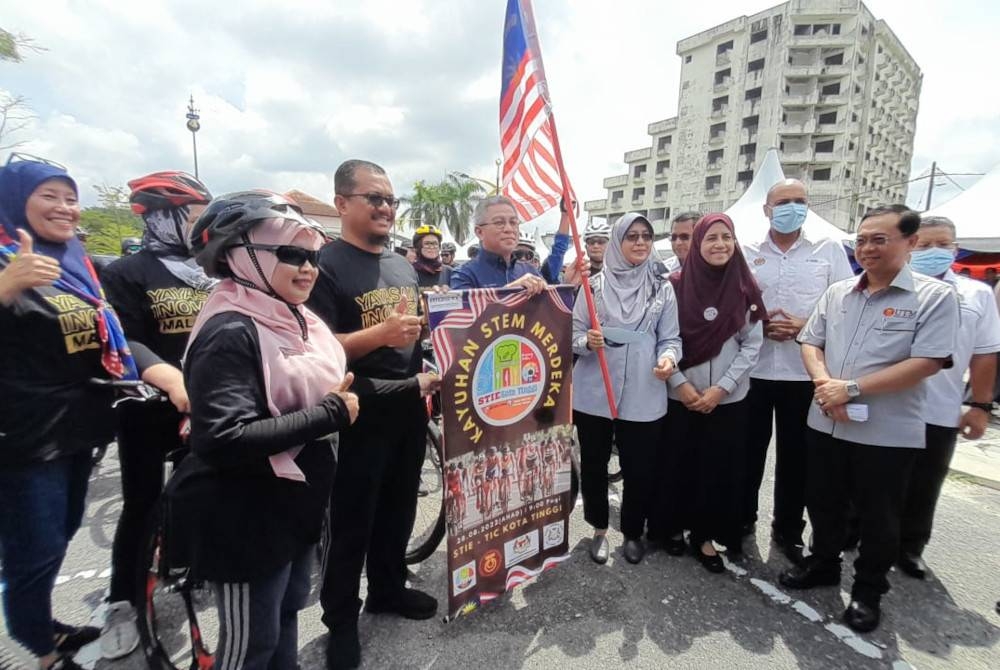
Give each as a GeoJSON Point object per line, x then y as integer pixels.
{"type": "Point", "coordinates": [640, 396]}
{"type": "Point", "coordinates": [861, 333]}
{"type": "Point", "coordinates": [729, 369]}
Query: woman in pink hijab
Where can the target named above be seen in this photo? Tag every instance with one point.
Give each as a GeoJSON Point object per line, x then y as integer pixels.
{"type": "Point", "coordinates": [268, 389]}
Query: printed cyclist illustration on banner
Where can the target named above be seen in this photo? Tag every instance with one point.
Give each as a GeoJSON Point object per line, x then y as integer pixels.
{"type": "Point", "coordinates": [506, 362]}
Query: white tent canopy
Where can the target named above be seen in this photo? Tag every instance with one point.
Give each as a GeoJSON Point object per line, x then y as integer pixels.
{"type": "Point", "coordinates": [748, 215]}
{"type": "Point", "coordinates": [970, 210]}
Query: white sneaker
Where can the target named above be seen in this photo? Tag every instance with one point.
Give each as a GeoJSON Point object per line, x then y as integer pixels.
{"type": "Point", "coordinates": [120, 636]}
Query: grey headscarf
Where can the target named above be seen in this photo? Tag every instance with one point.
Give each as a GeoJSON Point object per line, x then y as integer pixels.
{"type": "Point", "coordinates": [627, 289]}
{"type": "Point", "coordinates": [164, 236]}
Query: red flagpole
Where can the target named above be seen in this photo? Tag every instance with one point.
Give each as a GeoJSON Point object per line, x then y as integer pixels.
{"type": "Point", "coordinates": [591, 308]}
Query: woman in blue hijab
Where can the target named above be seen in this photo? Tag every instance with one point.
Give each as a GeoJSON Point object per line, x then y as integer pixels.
{"type": "Point", "coordinates": [57, 332]}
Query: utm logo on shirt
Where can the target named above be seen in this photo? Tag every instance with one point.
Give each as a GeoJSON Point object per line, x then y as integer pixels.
{"type": "Point", "coordinates": [900, 313]}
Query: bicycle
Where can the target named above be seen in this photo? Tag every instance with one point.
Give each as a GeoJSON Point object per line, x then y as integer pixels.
{"type": "Point", "coordinates": [430, 521]}
{"type": "Point", "coordinates": [176, 616]}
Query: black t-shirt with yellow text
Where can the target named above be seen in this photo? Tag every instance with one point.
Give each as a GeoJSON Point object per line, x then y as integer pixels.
{"type": "Point", "coordinates": [49, 350]}
{"type": "Point", "coordinates": [157, 310]}
{"type": "Point", "coordinates": [357, 289]}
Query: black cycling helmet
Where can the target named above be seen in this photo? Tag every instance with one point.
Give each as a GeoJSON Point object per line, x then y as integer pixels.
{"type": "Point", "coordinates": [423, 231]}
{"type": "Point", "coordinates": [227, 220]}
{"type": "Point", "coordinates": [448, 248]}
{"type": "Point", "coordinates": [166, 190]}
{"type": "Point", "coordinates": [131, 245]}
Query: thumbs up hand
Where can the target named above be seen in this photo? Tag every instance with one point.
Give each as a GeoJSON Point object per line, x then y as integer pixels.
{"type": "Point", "coordinates": [350, 399]}
{"type": "Point", "coordinates": [26, 270]}
{"type": "Point", "coordinates": [400, 329]}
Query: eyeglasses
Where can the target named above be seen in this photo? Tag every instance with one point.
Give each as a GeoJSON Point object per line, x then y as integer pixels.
{"type": "Point", "coordinates": [523, 255]}
{"type": "Point", "coordinates": [430, 245]}
{"type": "Point", "coordinates": [16, 157]}
{"type": "Point", "coordinates": [938, 245]}
{"type": "Point", "coordinates": [501, 223]}
{"type": "Point", "coordinates": [875, 240]}
{"type": "Point", "coordinates": [635, 237]}
{"type": "Point", "coordinates": [683, 237]}
{"type": "Point", "coordinates": [598, 241]}
{"type": "Point", "coordinates": [375, 199]}
{"type": "Point", "coordinates": [289, 254]}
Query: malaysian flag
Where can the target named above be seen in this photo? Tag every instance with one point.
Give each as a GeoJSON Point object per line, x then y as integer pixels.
{"type": "Point", "coordinates": [531, 171]}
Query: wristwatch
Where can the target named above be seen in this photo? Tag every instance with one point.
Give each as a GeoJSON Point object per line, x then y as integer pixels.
{"type": "Point", "coordinates": [852, 388]}
{"type": "Point", "coordinates": [985, 406]}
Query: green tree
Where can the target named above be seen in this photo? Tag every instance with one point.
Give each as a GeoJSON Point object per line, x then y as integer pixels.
{"type": "Point", "coordinates": [15, 114]}
{"type": "Point", "coordinates": [111, 222]}
{"type": "Point", "coordinates": [12, 46]}
{"type": "Point", "coordinates": [446, 204]}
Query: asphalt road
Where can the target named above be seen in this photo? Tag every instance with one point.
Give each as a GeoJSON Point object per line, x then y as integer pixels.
{"type": "Point", "coordinates": [665, 611]}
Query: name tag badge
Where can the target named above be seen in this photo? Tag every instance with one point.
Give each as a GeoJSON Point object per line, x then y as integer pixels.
{"type": "Point", "coordinates": [857, 411]}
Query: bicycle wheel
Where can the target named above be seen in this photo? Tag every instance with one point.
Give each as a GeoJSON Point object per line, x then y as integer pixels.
{"type": "Point", "coordinates": [429, 524]}
{"type": "Point", "coordinates": [177, 616]}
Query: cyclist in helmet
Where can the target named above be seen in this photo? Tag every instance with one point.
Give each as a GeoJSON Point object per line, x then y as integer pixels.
{"type": "Point", "coordinates": [431, 271]}
{"type": "Point", "coordinates": [525, 249]}
{"type": "Point", "coordinates": [267, 386]}
{"type": "Point", "coordinates": [131, 245]}
{"type": "Point", "coordinates": [448, 250]}
{"type": "Point", "coordinates": [595, 238]}
{"type": "Point", "coordinates": [158, 291]}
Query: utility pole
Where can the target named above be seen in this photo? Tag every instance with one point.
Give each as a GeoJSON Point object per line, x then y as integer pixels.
{"type": "Point", "coordinates": [930, 187]}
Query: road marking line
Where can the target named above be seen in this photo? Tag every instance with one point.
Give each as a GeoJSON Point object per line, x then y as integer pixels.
{"type": "Point", "coordinates": [807, 612]}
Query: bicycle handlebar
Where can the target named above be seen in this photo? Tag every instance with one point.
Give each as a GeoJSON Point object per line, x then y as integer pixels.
{"type": "Point", "coordinates": [130, 389]}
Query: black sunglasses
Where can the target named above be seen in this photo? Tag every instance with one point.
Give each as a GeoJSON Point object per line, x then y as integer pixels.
{"type": "Point", "coordinates": [289, 254]}
{"type": "Point", "coordinates": [375, 199]}
{"type": "Point", "coordinates": [523, 255]}
{"type": "Point", "coordinates": [16, 157]}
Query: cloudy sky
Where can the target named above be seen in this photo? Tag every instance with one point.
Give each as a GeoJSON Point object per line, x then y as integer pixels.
{"type": "Point", "coordinates": [289, 89]}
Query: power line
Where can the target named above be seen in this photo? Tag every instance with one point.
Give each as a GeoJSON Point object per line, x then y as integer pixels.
{"type": "Point", "coordinates": [937, 173]}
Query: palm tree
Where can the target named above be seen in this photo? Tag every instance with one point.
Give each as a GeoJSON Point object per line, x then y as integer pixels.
{"type": "Point", "coordinates": [447, 204]}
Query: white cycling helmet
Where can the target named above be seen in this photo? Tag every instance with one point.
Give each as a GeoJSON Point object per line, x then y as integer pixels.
{"type": "Point", "coordinates": [597, 228]}
{"type": "Point", "coordinates": [525, 238]}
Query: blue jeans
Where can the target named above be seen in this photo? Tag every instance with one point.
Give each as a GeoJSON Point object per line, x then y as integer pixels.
{"type": "Point", "coordinates": [41, 508]}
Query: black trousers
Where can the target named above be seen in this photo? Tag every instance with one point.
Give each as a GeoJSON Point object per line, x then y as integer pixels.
{"type": "Point", "coordinates": [373, 505]}
{"type": "Point", "coordinates": [147, 432]}
{"type": "Point", "coordinates": [930, 467]}
{"type": "Point", "coordinates": [787, 402]}
{"type": "Point", "coordinates": [637, 443]}
{"type": "Point", "coordinates": [874, 478]}
{"type": "Point", "coordinates": [704, 454]}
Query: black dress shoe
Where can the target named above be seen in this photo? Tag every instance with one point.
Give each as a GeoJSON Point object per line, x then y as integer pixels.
{"type": "Point", "coordinates": [791, 548]}
{"type": "Point", "coordinates": [599, 549]}
{"type": "Point", "coordinates": [343, 648]}
{"type": "Point", "coordinates": [675, 546]}
{"type": "Point", "coordinates": [713, 564]}
{"type": "Point", "coordinates": [409, 604]}
{"type": "Point", "coordinates": [862, 617]}
{"type": "Point", "coordinates": [810, 575]}
{"type": "Point", "coordinates": [912, 565]}
{"type": "Point", "coordinates": [634, 551]}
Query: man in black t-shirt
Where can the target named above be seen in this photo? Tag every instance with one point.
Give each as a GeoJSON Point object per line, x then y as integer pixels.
{"type": "Point", "coordinates": [368, 296]}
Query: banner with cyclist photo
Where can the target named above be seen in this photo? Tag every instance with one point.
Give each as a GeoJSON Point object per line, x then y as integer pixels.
{"type": "Point", "coordinates": [506, 364]}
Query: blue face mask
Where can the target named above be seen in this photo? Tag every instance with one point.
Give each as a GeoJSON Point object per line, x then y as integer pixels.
{"type": "Point", "coordinates": [932, 262]}
{"type": "Point", "coordinates": [789, 217]}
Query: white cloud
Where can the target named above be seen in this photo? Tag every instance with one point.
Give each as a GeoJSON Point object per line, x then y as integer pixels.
{"type": "Point", "coordinates": [289, 89]}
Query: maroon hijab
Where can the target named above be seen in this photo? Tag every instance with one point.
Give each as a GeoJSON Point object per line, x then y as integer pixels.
{"type": "Point", "coordinates": [712, 302]}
